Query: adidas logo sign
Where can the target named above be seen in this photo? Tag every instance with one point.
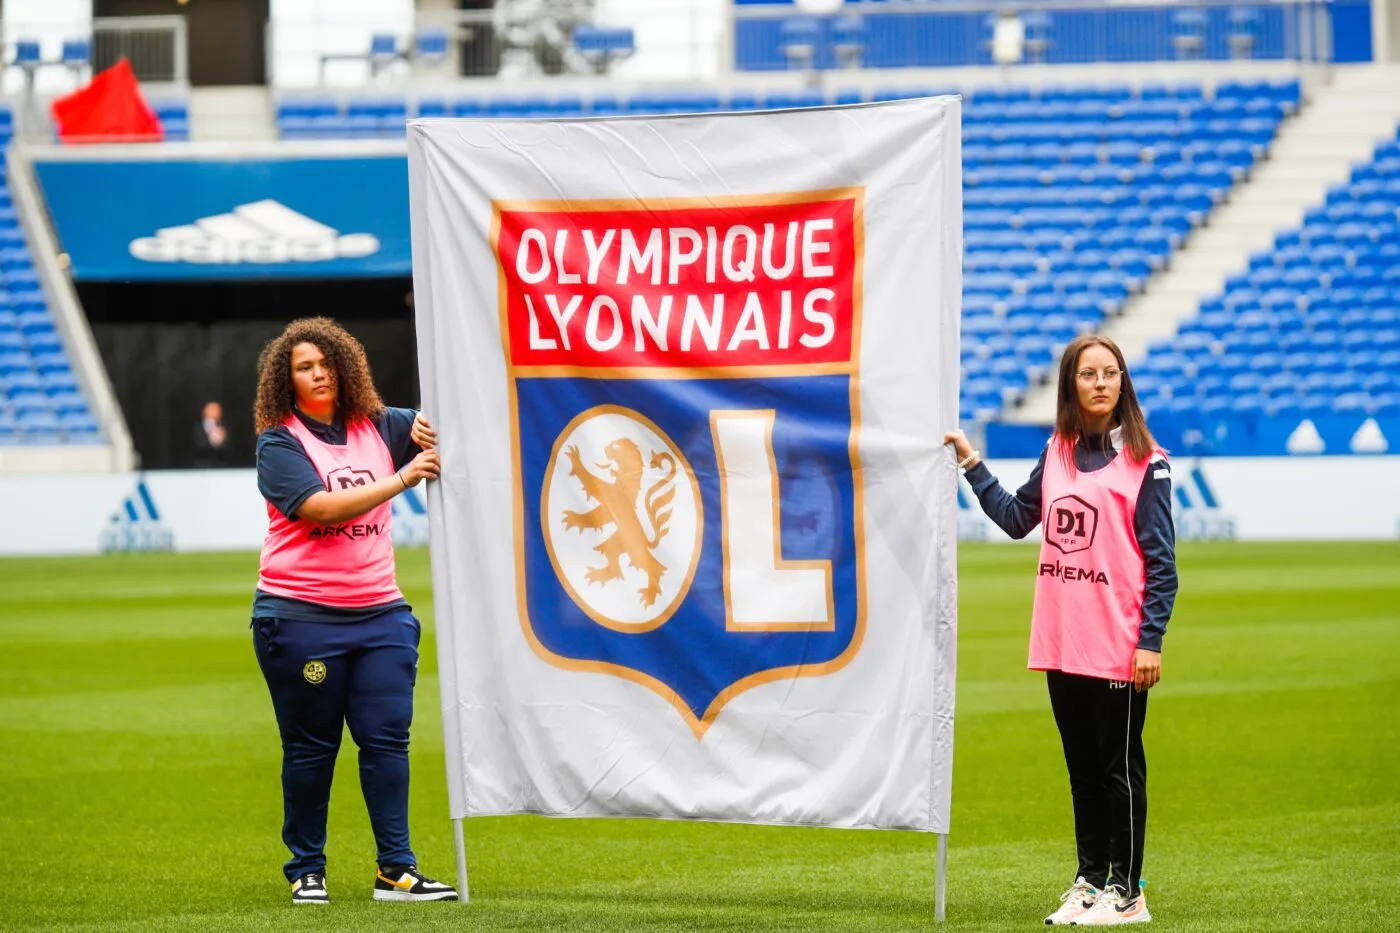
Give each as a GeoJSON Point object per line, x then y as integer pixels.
{"type": "Point", "coordinates": [1198, 512]}
{"type": "Point", "coordinates": [264, 232]}
{"type": "Point", "coordinates": [136, 525]}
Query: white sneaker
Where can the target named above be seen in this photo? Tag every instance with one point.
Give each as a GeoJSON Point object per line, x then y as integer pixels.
{"type": "Point", "coordinates": [1114, 907]}
{"type": "Point", "coordinates": [1073, 903]}
{"type": "Point", "coordinates": [310, 888]}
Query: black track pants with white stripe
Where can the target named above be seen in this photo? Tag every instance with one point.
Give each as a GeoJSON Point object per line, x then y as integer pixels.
{"type": "Point", "coordinates": [1100, 724]}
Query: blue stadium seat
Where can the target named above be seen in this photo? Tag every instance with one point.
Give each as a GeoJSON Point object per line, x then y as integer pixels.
{"type": "Point", "coordinates": [431, 44]}
{"type": "Point", "coordinates": [307, 107]}
{"type": "Point", "coordinates": [1317, 315]}
{"type": "Point", "coordinates": [568, 106]}
{"type": "Point", "coordinates": [48, 359]}
{"type": "Point", "coordinates": [1074, 196]}
{"type": "Point", "coordinates": [13, 365]}
{"type": "Point", "coordinates": [377, 107]}
{"type": "Point", "coordinates": [742, 101]}
{"type": "Point", "coordinates": [65, 403]}
{"type": "Point", "coordinates": [77, 422]}
{"type": "Point", "coordinates": [57, 383]}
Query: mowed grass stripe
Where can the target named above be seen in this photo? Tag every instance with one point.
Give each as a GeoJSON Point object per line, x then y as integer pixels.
{"type": "Point", "coordinates": [141, 769]}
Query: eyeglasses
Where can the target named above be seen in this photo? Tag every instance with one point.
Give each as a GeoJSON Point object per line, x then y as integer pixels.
{"type": "Point", "coordinates": [1110, 376]}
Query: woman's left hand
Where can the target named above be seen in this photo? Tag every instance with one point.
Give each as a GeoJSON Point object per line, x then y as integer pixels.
{"type": "Point", "coordinates": [1147, 668]}
{"type": "Point", "coordinates": [422, 432]}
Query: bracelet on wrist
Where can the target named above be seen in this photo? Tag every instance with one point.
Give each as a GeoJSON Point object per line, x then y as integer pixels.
{"type": "Point", "coordinates": [402, 480]}
{"type": "Point", "coordinates": [970, 460]}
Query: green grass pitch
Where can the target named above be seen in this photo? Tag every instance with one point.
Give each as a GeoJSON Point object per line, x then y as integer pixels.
{"type": "Point", "coordinates": [139, 772]}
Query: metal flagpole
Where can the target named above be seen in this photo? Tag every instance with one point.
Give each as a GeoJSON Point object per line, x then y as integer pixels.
{"type": "Point", "coordinates": [459, 842]}
{"type": "Point", "coordinates": [940, 884]}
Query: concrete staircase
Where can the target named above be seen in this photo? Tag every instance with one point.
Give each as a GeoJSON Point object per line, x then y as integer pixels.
{"type": "Point", "coordinates": [1337, 128]}
{"type": "Point", "coordinates": [221, 114]}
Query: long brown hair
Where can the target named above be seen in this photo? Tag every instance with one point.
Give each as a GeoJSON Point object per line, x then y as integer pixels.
{"type": "Point", "coordinates": [1069, 418]}
{"type": "Point", "coordinates": [354, 386]}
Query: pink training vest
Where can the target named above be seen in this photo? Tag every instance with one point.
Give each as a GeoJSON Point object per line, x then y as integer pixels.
{"type": "Point", "coordinates": [1091, 580]}
{"type": "Point", "coordinates": [347, 566]}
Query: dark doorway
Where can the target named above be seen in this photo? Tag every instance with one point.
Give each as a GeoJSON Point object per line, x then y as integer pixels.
{"type": "Point", "coordinates": [476, 40]}
{"type": "Point", "coordinates": [169, 348]}
{"type": "Point", "coordinates": [227, 38]}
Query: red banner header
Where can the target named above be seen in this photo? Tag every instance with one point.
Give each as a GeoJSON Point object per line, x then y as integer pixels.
{"type": "Point", "coordinates": [772, 282]}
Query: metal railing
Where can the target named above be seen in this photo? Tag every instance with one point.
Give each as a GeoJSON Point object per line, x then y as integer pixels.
{"type": "Point", "coordinates": [156, 46]}
{"type": "Point", "coordinates": [956, 33]}
{"type": "Point", "coordinates": [516, 40]}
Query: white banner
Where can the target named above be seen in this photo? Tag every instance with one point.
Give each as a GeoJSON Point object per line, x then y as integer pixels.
{"type": "Point", "coordinates": [694, 546]}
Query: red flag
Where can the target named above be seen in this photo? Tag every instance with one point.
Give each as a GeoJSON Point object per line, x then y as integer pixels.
{"type": "Point", "coordinates": [109, 109]}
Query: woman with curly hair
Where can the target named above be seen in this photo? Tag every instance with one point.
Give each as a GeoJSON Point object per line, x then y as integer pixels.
{"type": "Point", "coordinates": [333, 635]}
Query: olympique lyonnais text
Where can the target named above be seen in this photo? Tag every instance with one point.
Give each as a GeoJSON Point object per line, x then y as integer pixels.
{"type": "Point", "coordinates": [683, 287]}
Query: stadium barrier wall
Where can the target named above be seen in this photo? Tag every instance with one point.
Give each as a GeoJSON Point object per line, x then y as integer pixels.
{"type": "Point", "coordinates": [1256, 499]}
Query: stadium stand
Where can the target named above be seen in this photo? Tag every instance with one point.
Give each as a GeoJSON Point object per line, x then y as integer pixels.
{"type": "Point", "coordinates": [924, 36]}
{"type": "Point", "coordinates": [1074, 195]}
{"type": "Point", "coordinates": [40, 400]}
{"type": "Point", "coordinates": [174, 119]}
{"type": "Point", "coordinates": [1311, 331]}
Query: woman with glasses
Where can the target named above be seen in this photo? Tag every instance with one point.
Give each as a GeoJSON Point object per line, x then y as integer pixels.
{"type": "Point", "coordinates": [1105, 586]}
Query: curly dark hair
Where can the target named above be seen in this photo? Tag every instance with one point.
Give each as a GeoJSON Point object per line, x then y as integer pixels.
{"type": "Point", "coordinates": [356, 396]}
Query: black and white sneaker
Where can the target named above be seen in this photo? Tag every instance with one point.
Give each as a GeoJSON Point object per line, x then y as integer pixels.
{"type": "Point", "coordinates": [310, 888]}
{"type": "Point", "coordinates": [407, 883]}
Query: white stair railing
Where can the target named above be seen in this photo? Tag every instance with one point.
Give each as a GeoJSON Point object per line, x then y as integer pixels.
{"type": "Point", "coordinates": [118, 453]}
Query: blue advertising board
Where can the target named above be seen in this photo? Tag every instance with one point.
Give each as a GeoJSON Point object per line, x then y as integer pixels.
{"type": "Point", "coordinates": [236, 218]}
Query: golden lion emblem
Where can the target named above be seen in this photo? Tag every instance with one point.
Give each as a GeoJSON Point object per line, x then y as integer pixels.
{"type": "Point", "coordinates": [617, 506]}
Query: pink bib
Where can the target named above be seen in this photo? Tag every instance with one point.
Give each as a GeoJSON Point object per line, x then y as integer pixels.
{"type": "Point", "coordinates": [347, 566]}
{"type": "Point", "coordinates": [1091, 578]}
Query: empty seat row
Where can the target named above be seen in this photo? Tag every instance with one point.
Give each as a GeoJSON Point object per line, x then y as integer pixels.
{"type": "Point", "coordinates": [1310, 329]}
{"type": "Point", "coordinates": [40, 400]}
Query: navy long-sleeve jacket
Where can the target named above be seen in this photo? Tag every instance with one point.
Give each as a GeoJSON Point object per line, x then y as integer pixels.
{"type": "Point", "coordinates": [1018, 514]}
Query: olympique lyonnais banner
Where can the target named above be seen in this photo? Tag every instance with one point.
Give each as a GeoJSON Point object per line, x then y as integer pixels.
{"type": "Point", "coordinates": [694, 545]}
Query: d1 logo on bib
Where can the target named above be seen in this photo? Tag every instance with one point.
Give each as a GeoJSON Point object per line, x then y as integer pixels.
{"type": "Point", "coordinates": [1071, 524]}
{"type": "Point", "coordinates": [347, 478]}
{"type": "Point", "coordinates": [684, 393]}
